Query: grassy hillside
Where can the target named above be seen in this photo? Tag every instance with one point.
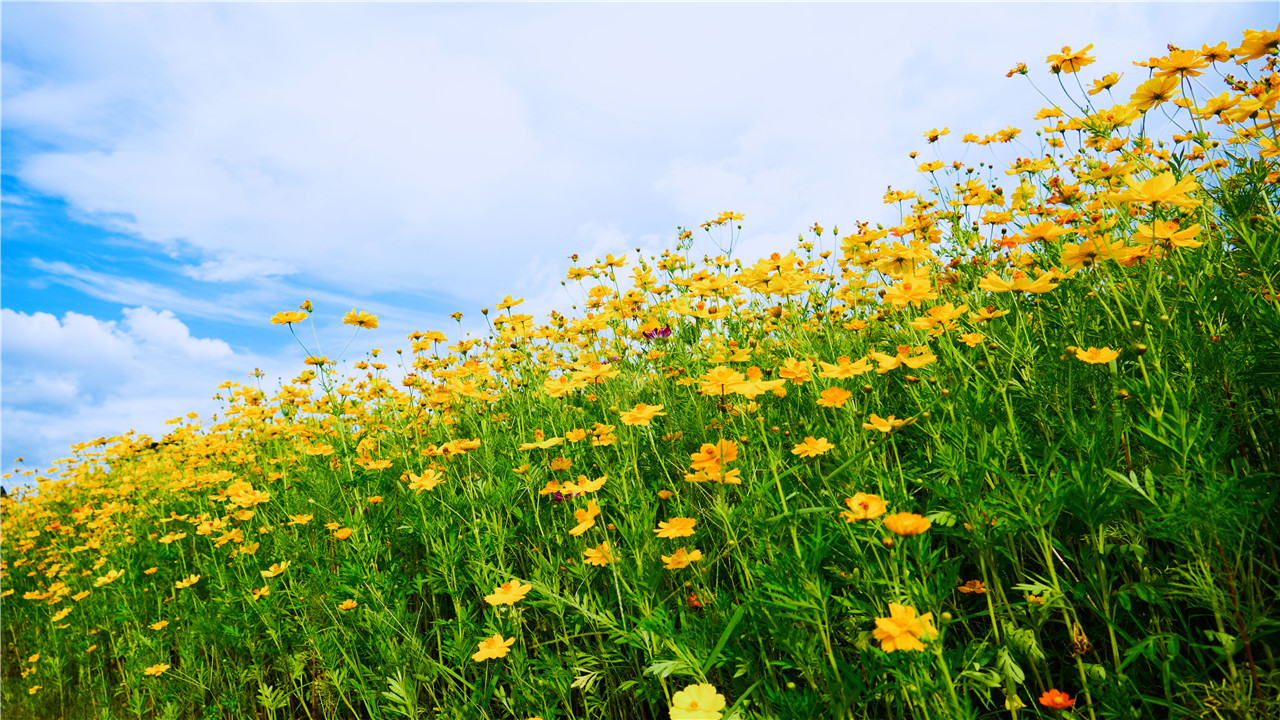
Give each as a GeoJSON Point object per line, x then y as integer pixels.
{"type": "Point", "coordinates": [1014, 456]}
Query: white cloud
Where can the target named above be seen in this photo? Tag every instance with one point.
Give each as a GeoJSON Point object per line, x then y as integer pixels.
{"type": "Point", "coordinates": [71, 379]}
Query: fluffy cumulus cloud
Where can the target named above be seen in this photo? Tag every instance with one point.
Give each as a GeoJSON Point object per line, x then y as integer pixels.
{"type": "Point", "coordinates": [71, 379]}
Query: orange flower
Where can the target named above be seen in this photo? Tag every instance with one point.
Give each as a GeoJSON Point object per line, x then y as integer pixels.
{"type": "Point", "coordinates": [641, 414]}
{"type": "Point", "coordinates": [494, 647]}
{"type": "Point", "coordinates": [812, 447]}
{"type": "Point", "coordinates": [361, 319]}
{"type": "Point", "coordinates": [902, 630]}
{"type": "Point", "coordinates": [973, 586]}
{"type": "Point", "coordinates": [599, 556]}
{"type": "Point", "coordinates": [907, 524]}
{"type": "Point", "coordinates": [834, 397]}
{"type": "Point", "coordinates": [884, 425]}
{"type": "Point", "coordinates": [1097, 356]}
{"type": "Point", "coordinates": [508, 593]}
{"type": "Point", "coordinates": [342, 533]}
{"type": "Point", "coordinates": [863, 507]}
{"type": "Point", "coordinates": [347, 604]}
{"type": "Point", "coordinates": [676, 527]}
{"type": "Point", "coordinates": [1070, 61]}
{"type": "Point", "coordinates": [681, 558]}
{"type": "Point", "coordinates": [586, 518]}
{"type": "Point", "coordinates": [1056, 699]}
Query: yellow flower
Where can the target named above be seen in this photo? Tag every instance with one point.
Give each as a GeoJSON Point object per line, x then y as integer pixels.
{"type": "Point", "coordinates": [902, 630]}
{"type": "Point", "coordinates": [560, 464]}
{"type": "Point", "coordinates": [907, 524]}
{"type": "Point", "coordinates": [812, 447]}
{"type": "Point", "coordinates": [797, 371]}
{"type": "Point", "coordinates": [508, 593]}
{"type": "Point", "coordinates": [586, 518]}
{"type": "Point", "coordinates": [834, 397]}
{"type": "Point", "coordinates": [863, 506]}
{"type": "Point", "coordinates": [110, 577]}
{"type": "Point", "coordinates": [150, 571]}
{"type": "Point", "coordinates": [427, 481]}
{"type": "Point", "coordinates": [61, 614]}
{"type": "Point", "coordinates": [34, 689]}
{"type": "Point", "coordinates": [1070, 61]}
{"type": "Point", "coordinates": [156, 669]}
{"type": "Point", "coordinates": [884, 425]}
{"type": "Point", "coordinates": [676, 527]}
{"type": "Point", "coordinates": [599, 556]}
{"type": "Point", "coordinates": [641, 414]}
{"type": "Point", "coordinates": [275, 569]}
{"type": "Point", "coordinates": [697, 702]}
{"type": "Point", "coordinates": [583, 485]}
{"type": "Point", "coordinates": [494, 647]}
{"type": "Point", "coordinates": [360, 319]}
{"type": "Point", "coordinates": [261, 592]}
{"type": "Point", "coordinates": [1153, 92]}
{"type": "Point", "coordinates": [342, 533]}
{"type": "Point", "coordinates": [1097, 356]}
{"type": "Point", "coordinates": [1162, 188]}
{"type": "Point", "coordinates": [160, 625]}
{"type": "Point", "coordinates": [680, 558]}
{"type": "Point", "coordinates": [300, 519]}
{"type": "Point", "coordinates": [287, 317]}
{"type": "Point", "coordinates": [347, 604]}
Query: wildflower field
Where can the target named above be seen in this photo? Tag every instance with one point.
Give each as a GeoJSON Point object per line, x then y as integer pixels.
{"type": "Point", "coordinates": [1016, 456]}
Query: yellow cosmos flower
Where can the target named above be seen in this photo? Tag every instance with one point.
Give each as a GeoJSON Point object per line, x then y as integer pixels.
{"type": "Point", "coordinates": [1069, 61]}
{"type": "Point", "coordinates": [863, 506]}
{"type": "Point", "coordinates": [427, 481]}
{"type": "Point", "coordinates": [360, 319]}
{"type": "Point", "coordinates": [834, 397]}
{"type": "Point", "coordinates": [275, 569]}
{"type": "Point", "coordinates": [907, 524]}
{"type": "Point", "coordinates": [884, 425]}
{"type": "Point", "coordinates": [681, 558]}
{"type": "Point", "coordinates": [641, 414]}
{"type": "Point", "coordinates": [494, 647]}
{"type": "Point", "coordinates": [697, 702]}
{"type": "Point", "coordinates": [812, 447]}
{"type": "Point", "coordinates": [300, 519]}
{"type": "Point", "coordinates": [598, 556]}
{"type": "Point", "coordinates": [902, 630]}
{"type": "Point", "coordinates": [156, 669]}
{"type": "Point", "coordinates": [187, 582]}
{"type": "Point", "coordinates": [676, 527]}
{"type": "Point", "coordinates": [586, 518]}
{"type": "Point", "coordinates": [342, 533]}
{"type": "Point", "coordinates": [287, 317]}
{"type": "Point", "coordinates": [508, 593]}
{"type": "Point", "coordinates": [1097, 356]}
{"type": "Point", "coordinates": [347, 604]}
{"type": "Point", "coordinates": [160, 625]}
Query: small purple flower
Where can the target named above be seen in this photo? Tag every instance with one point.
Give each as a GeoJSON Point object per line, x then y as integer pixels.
{"type": "Point", "coordinates": [662, 332]}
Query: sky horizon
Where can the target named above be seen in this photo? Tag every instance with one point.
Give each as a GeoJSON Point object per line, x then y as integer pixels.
{"type": "Point", "coordinates": [175, 174]}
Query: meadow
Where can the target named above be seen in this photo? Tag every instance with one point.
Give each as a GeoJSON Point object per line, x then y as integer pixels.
{"type": "Point", "coordinates": [1016, 456]}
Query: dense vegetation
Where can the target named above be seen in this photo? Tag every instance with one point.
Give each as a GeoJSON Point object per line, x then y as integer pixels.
{"type": "Point", "coordinates": [1014, 456]}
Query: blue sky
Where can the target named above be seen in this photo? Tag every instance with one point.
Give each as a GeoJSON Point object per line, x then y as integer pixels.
{"type": "Point", "coordinates": [174, 174]}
